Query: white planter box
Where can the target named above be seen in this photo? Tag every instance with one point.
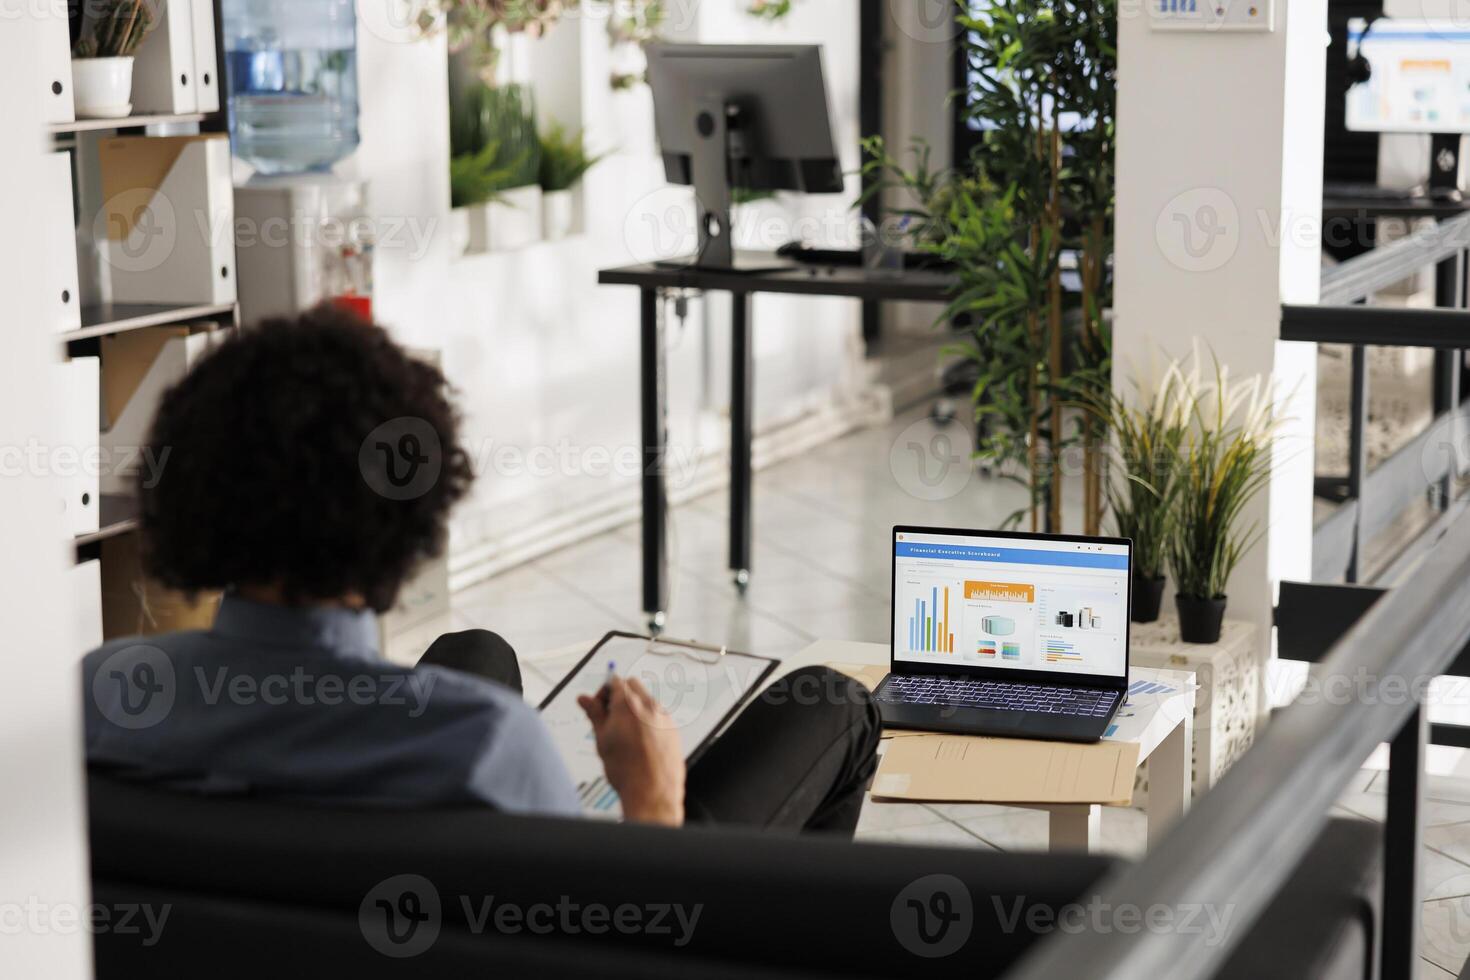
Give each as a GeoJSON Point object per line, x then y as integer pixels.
{"type": "Point", "coordinates": [459, 231]}
{"type": "Point", "coordinates": [1225, 706]}
{"type": "Point", "coordinates": [513, 222]}
{"type": "Point", "coordinates": [558, 214]}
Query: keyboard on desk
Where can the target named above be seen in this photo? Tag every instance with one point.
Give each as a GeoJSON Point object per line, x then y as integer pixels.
{"type": "Point", "coordinates": [969, 692]}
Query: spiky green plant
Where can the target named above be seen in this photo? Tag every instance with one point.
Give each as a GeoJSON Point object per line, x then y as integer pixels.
{"type": "Point", "coordinates": [1148, 432]}
{"type": "Point", "coordinates": [564, 158]}
{"type": "Point", "coordinates": [477, 178]}
{"type": "Point", "coordinates": [1224, 462]}
{"type": "Point", "coordinates": [115, 28]}
{"type": "Point", "coordinates": [493, 143]}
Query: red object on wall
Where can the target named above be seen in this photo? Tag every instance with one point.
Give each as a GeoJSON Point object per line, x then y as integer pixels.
{"type": "Point", "coordinates": [360, 305]}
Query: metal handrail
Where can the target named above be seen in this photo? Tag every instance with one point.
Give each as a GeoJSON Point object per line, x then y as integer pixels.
{"type": "Point", "coordinates": [1361, 276]}
{"type": "Point", "coordinates": [1238, 847]}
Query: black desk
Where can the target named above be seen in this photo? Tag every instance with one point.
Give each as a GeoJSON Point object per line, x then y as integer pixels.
{"type": "Point", "coordinates": [1365, 208]}
{"type": "Point", "coordinates": [843, 281]}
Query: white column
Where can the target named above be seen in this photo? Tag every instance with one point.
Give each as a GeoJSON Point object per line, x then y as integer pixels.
{"type": "Point", "coordinates": [43, 846]}
{"type": "Point", "coordinates": [1219, 174]}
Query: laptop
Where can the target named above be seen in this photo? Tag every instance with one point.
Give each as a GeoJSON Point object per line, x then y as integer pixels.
{"type": "Point", "coordinates": [1007, 633]}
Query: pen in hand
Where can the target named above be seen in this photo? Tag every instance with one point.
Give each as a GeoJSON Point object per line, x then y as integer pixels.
{"type": "Point", "coordinates": [605, 693]}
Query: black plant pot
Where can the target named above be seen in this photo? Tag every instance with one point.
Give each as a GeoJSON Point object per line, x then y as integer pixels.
{"type": "Point", "coordinates": [1148, 596]}
{"type": "Point", "coordinates": [1200, 619]}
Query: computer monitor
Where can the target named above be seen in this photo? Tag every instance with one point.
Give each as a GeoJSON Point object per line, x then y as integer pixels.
{"type": "Point", "coordinates": [747, 116]}
{"type": "Point", "coordinates": [1032, 604]}
{"type": "Point", "coordinates": [1412, 76]}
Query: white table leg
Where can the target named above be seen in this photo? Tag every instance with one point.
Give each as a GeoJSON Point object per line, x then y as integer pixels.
{"type": "Point", "coordinates": [1074, 827]}
{"type": "Point", "coordinates": [1169, 780]}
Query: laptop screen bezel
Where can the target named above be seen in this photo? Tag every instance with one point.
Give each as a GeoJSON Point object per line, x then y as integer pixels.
{"type": "Point", "coordinates": [1005, 673]}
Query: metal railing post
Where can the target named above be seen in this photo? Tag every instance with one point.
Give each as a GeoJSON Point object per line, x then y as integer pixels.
{"type": "Point", "coordinates": [1403, 829]}
{"type": "Point", "coordinates": [1358, 456]}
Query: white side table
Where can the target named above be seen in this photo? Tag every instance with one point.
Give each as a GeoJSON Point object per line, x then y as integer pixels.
{"type": "Point", "coordinates": [1164, 731]}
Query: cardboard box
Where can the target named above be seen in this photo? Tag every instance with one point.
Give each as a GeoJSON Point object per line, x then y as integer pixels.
{"type": "Point", "coordinates": [169, 213]}
{"type": "Point", "coordinates": [137, 368]}
{"type": "Point", "coordinates": [963, 768]}
{"type": "Point", "coordinates": [135, 605]}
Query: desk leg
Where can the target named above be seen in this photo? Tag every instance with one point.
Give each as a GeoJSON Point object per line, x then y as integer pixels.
{"type": "Point", "coordinates": [742, 362]}
{"type": "Point", "coordinates": [1169, 780]}
{"type": "Point", "coordinates": [1074, 827]}
{"type": "Point", "coordinates": [655, 501]}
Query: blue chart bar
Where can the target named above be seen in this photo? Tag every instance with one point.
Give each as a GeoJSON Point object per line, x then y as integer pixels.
{"type": "Point", "coordinates": [597, 796]}
{"type": "Point", "coordinates": [1149, 687]}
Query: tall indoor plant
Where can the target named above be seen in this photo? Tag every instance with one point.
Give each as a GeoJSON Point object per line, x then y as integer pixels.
{"type": "Point", "coordinates": [1224, 462]}
{"type": "Point", "coordinates": [1041, 90]}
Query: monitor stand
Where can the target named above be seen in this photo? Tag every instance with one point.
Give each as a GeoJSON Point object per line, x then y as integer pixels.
{"type": "Point", "coordinates": [719, 126]}
{"type": "Point", "coordinates": [1444, 167]}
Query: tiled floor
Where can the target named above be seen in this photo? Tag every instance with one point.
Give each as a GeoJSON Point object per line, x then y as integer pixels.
{"type": "Point", "coordinates": [821, 569]}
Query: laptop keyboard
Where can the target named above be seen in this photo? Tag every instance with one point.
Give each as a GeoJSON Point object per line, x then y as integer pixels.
{"type": "Point", "coordinates": [968, 692]}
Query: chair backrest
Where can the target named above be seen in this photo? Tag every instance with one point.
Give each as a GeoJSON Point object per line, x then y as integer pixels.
{"type": "Point", "coordinates": [252, 884]}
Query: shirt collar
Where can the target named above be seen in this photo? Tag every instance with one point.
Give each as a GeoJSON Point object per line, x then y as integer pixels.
{"type": "Point", "coordinates": [331, 629]}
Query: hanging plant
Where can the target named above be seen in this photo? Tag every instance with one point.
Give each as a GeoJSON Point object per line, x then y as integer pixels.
{"type": "Point", "coordinates": [472, 25]}
{"type": "Point", "coordinates": [770, 10]}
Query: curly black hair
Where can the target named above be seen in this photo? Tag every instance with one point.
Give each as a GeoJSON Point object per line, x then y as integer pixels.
{"type": "Point", "coordinates": [311, 455]}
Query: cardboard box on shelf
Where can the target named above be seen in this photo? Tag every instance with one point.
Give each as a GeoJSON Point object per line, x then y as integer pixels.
{"type": "Point", "coordinates": [168, 218]}
{"type": "Point", "coordinates": [137, 368]}
{"type": "Point", "coordinates": [135, 605]}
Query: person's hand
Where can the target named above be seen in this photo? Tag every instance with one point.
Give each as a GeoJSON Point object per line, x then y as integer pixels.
{"type": "Point", "coordinates": [639, 746]}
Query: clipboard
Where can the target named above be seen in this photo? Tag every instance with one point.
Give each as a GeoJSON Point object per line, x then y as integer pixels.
{"type": "Point", "coordinates": [701, 687]}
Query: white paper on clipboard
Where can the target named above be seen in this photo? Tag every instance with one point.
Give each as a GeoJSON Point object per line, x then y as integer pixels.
{"type": "Point", "coordinates": [699, 687]}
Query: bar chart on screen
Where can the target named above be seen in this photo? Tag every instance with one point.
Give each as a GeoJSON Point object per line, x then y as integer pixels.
{"type": "Point", "coordinates": [930, 628]}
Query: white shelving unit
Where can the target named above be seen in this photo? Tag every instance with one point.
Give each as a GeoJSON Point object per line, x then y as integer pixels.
{"type": "Point", "coordinates": [83, 336]}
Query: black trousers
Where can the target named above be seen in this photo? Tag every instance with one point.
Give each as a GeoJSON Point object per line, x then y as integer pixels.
{"type": "Point", "coordinates": [799, 757]}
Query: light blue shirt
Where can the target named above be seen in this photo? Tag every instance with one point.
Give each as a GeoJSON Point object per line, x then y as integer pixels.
{"type": "Point", "coordinates": [299, 703]}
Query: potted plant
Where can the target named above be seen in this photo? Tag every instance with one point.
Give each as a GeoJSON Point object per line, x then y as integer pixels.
{"type": "Point", "coordinates": [1224, 461]}
{"type": "Point", "coordinates": [1148, 433]}
{"type": "Point", "coordinates": [564, 161]}
{"type": "Point", "coordinates": [495, 157]}
{"type": "Point", "coordinates": [102, 59]}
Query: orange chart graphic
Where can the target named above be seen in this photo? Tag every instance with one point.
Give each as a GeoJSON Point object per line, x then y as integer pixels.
{"type": "Point", "coordinates": [1000, 591]}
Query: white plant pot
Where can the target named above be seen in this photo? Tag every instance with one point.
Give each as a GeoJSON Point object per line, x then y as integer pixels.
{"type": "Point", "coordinates": [514, 221]}
{"type": "Point", "coordinates": [558, 214]}
{"type": "Point", "coordinates": [103, 87]}
{"type": "Point", "coordinates": [459, 230]}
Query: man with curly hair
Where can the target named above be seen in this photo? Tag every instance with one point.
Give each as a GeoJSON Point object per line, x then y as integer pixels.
{"type": "Point", "coordinates": [311, 466]}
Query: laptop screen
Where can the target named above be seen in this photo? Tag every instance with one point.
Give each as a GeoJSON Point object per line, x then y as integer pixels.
{"type": "Point", "coordinates": [1022, 602]}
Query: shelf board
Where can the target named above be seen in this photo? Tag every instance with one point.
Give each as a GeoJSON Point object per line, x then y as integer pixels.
{"type": "Point", "coordinates": [127, 122]}
{"type": "Point", "coordinates": [101, 319]}
{"type": "Point", "coordinates": [117, 514]}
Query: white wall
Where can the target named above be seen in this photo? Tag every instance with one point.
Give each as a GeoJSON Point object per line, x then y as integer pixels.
{"type": "Point", "coordinates": [1224, 131]}
{"type": "Point", "coordinates": [43, 850]}
{"type": "Point", "coordinates": [545, 360]}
